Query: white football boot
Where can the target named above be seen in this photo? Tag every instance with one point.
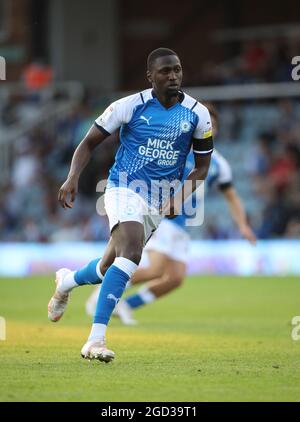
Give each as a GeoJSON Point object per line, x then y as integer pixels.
{"type": "Point", "coordinates": [96, 349]}
{"type": "Point", "coordinates": [59, 301]}
{"type": "Point", "coordinates": [124, 313]}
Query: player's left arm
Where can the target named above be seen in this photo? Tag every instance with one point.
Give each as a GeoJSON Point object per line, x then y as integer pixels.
{"type": "Point", "coordinates": [197, 175]}
{"type": "Point", "coordinates": [238, 213]}
{"type": "Point", "coordinates": [192, 182]}
{"type": "Point", "coordinates": [202, 147]}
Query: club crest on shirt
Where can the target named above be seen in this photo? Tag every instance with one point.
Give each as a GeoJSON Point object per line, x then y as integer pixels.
{"type": "Point", "coordinates": [185, 126]}
{"type": "Point", "coordinates": [130, 210]}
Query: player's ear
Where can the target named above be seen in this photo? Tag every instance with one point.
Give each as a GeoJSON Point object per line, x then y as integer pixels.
{"type": "Point", "coordinates": [149, 77]}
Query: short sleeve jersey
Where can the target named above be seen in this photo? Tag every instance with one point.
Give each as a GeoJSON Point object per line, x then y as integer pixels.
{"type": "Point", "coordinates": [155, 141]}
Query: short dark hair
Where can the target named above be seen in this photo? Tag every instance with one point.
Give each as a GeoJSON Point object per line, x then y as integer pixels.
{"type": "Point", "coordinates": [159, 52]}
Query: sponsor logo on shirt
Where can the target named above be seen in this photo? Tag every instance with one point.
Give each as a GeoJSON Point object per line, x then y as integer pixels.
{"type": "Point", "coordinates": [146, 120]}
{"type": "Point", "coordinates": [160, 150]}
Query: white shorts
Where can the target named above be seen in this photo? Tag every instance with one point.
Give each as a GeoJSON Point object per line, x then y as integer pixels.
{"type": "Point", "coordinates": [123, 205]}
{"type": "Point", "coordinates": [171, 240]}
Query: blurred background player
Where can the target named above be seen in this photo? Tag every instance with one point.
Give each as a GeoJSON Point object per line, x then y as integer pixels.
{"type": "Point", "coordinates": [158, 128]}
{"type": "Point", "coordinates": [168, 248]}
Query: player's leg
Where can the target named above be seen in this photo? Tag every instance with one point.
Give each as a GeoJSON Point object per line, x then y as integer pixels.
{"type": "Point", "coordinates": [94, 271]}
{"type": "Point", "coordinates": [171, 279]}
{"type": "Point", "coordinates": [155, 269]}
{"type": "Point", "coordinates": [157, 263]}
{"type": "Point", "coordinates": [106, 261]}
{"type": "Point", "coordinates": [128, 238]}
{"type": "Point", "coordinates": [168, 242]}
{"type": "Point", "coordinates": [169, 247]}
{"type": "Point", "coordinates": [108, 257]}
{"type": "Point", "coordinates": [67, 280]}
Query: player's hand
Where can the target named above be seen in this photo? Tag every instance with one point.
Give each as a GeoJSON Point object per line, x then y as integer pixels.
{"type": "Point", "coordinates": [248, 234]}
{"type": "Point", "coordinates": [70, 187]}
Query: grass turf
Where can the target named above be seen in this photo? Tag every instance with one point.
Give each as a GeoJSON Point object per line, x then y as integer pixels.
{"type": "Point", "coordinates": [215, 339]}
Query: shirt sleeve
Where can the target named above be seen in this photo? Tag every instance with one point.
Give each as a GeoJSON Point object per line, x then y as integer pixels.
{"type": "Point", "coordinates": [117, 114]}
{"type": "Point", "coordinates": [225, 173]}
{"type": "Point", "coordinates": [202, 138]}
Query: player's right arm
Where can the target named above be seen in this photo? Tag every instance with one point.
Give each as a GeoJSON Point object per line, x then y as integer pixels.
{"type": "Point", "coordinates": [81, 158]}
{"type": "Point", "coordinates": [112, 119]}
{"type": "Point", "coordinates": [238, 214]}
{"type": "Point", "coordinates": [237, 211]}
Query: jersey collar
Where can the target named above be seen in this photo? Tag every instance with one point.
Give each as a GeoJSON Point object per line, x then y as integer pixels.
{"type": "Point", "coordinates": [180, 99]}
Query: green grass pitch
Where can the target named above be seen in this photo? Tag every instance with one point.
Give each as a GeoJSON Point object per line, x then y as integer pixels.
{"type": "Point", "coordinates": [215, 339]}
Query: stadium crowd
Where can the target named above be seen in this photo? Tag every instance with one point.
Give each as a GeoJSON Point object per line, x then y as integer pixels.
{"type": "Point", "coordinates": [251, 62]}
{"type": "Point", "coordinates": [28, 202]}
{"type": "Point", "coordinates": [265, 135]}
{"type": "Point", "coordinates": [276, 174]}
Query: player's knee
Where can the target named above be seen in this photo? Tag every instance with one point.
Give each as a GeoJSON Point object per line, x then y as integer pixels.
{"type": "Point", "coordinates": [131, 250]}
{"type": "Point", "coordinates": [172, 279]}
{"type": "Point", "coordinates": [178, 281]}
{"type": "Point", "coordinates": [175, 279]}
{"type": "Point", "coordinates": [157, 272]}
{"type": "Point", "coordinates": [133, 255]}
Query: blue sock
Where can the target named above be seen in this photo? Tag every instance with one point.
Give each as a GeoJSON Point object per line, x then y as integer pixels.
{"type": "Point", "coordinates": [88, 274]}
{"type": "Point", "coordinates": [135, 301]}
{"type": "Point", "coordinates": [113, 286]}
{"type": "Point", "coordinates": [143, 297]}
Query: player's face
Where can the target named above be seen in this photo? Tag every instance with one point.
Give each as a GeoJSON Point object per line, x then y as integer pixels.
{"type": "Point", "coordinates": [166, 75]}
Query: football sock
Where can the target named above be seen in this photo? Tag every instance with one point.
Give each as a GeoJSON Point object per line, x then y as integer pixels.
{"type": "Point", "coordinates": [89, 274]}
{"type": "Point", "coordinates": [68, 283]}
{"type": "Point", "coordinates": [112, 288]}
{"type": "Point", "coordinates": [142, 297]}
{"type": "Point", "coordinates": [97, 331]}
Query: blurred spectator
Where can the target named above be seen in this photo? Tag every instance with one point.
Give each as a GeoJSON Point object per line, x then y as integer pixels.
{"type": "Point", "coordinates": [261, 141]}
{"type": "Point", "coordinates": [293, 228]}
{"type": "Point", "coordinates": [258, 61]}
{"type": "Point", "coordinates": [37, 75]}
{"type": "Point", "coordinates": [262, 157]}
{"type": "Point", "coordinates": [276, 217]}
{"type": "Point", "coordinates": [283, 168]}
